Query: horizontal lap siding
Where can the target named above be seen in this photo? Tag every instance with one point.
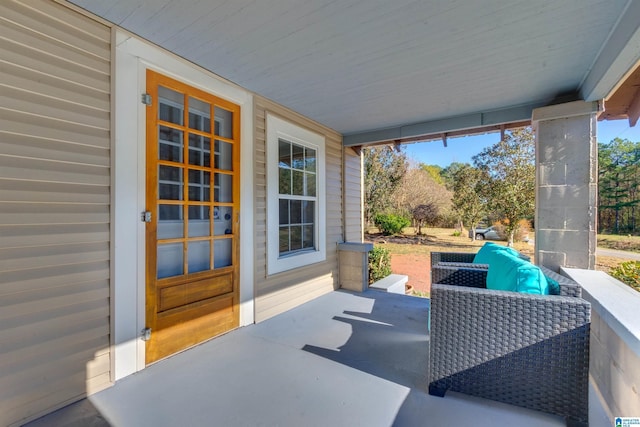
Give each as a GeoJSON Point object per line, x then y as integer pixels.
{"type": "Point", "coordinates": [353, 182]}
{"type": "Point", "coordinates": [280, 292]}
{"type": "Point", "coordinates": [54, 208]}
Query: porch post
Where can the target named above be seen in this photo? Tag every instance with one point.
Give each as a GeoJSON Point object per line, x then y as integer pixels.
{"type": "Point", "coordinates": [566, 184]}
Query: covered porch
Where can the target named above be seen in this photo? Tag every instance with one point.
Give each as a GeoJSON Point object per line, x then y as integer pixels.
{"type": "Point", "coordinates": [77, 221]}
{"type": "Point", "coordinates": [343, 359]}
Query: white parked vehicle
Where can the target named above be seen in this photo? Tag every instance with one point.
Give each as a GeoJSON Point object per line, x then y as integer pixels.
{"type": "Point", "coordinates": [490, 233]}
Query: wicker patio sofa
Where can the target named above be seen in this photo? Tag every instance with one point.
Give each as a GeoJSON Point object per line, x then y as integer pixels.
{"type": "Point", "coordinates": [523, 349]}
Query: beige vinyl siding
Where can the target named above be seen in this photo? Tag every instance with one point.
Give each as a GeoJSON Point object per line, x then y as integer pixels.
{"type": "Point", "coordinates": [353, 196]}
{"type": "Point", "coordinates": [280, 292]}
{"type": "Point", "coordinates": [54, 208]}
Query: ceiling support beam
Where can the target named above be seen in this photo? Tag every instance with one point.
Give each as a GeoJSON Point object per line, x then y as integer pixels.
{"type": "Point", "coordinates": [634, 109]}
{"type": "Point", "coordinates": [617, 58]}
{"type": "Point", "coordinates": [481, 122]}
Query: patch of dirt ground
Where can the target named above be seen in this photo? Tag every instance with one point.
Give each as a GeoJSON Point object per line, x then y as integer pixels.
{"type": "Point", "coordinates": [411, 254]}
{"type": "Point", "coordinates": [416, 266]}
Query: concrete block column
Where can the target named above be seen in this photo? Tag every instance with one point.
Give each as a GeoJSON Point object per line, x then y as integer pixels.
{"type": "Point", "coordinates": [566, 184]}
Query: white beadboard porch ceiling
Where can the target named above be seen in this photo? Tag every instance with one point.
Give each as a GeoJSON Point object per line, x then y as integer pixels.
{"type": "Point", "coordinates": [365, 65]}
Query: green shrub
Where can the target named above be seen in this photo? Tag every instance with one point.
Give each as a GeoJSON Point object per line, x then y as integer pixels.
{"type": "Point", "coordinates": [379, 263]}
{"type": "Point", "coordinates": [391, 224]}
{"type": "Point", "coordinates": [457, 233]}
{"type": "Point", "coordinates": [629, 273]}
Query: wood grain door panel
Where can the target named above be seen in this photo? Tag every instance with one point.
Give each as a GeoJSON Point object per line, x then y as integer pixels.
{"type": "Point", "coordinates": [192, 196]}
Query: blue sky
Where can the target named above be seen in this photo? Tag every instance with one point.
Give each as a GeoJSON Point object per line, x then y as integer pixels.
{"type": "Point", "coordinates": [463, 148]}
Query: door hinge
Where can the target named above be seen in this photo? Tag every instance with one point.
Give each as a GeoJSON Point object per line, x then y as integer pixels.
{"type": "Point", "coordinates": [146, 99]}
{"type": "Point", "coordinates": [145, 334]}
{"type": "Point", "coordinates": [145, 216]}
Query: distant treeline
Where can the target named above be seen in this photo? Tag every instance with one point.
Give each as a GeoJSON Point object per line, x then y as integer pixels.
{"type": "Point", "coordinates": [619, 187]}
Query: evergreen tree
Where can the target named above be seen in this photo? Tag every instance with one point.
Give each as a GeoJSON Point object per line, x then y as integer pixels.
{"type": "Point", "coordinates": [619, 186]}
{"type": "Point", "coordinates": [467, 196]}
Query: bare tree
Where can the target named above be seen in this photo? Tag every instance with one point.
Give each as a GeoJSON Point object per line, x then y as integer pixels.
{"type": "Point", "coordinates": [425, 214]}
{"type": "Point", "coordinates": [419, 188]}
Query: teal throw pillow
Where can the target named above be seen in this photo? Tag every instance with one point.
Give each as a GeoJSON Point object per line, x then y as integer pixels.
{"type": "Point", "coordinates": [511, 273]}
{"type": "Point", "coordinates": [487, 251]}
{"type": "Point", "coordinates": [554, 286]}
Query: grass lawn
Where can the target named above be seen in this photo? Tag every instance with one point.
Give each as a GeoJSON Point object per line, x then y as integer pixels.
{"type": "Point", "coordinates": [443, 240]}
{"type": "Point", "coordinates": [436, 240]}
{"type": "Point", "coordinates": [623, 243]}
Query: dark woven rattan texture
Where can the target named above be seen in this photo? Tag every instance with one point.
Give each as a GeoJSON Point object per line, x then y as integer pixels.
{"type": "Point", "coordinates": [523, 349]}
{"type": "Point", "coordinates": [460, 272]}
{"type": "Point", "coordinates": [437, 257]}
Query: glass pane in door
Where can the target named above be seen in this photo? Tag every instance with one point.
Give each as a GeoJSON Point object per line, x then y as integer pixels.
{"type": "Point", "coordinates": [171, 107]}
{"type": "Point", "coordinates": [223, 188]}
{"type": "Point", "coordinates": [222, 220]}
{"type": "Point", "coordinates": [170, 260]}
{"type": "Point", "coordinates": [199, 150]}
{"type": "Point", "coordinates": [170, 183]}
{"type": "Point", "coordinates": [199, 256]}
{"type": "Point", "coordinates": [170, 224]}
{"type": "Point", "coordinates": [199, 221]}
{"type": "Point", "coordinates": [170, 144]}
{"type": "Point", "coordinates": [224, 123]}
{"type": "Point", "coordinates": [222, 253]}
{"type": "Point", "coordinates": [223, 155]}
{"type": "Point", "coordinates": [199, 115]}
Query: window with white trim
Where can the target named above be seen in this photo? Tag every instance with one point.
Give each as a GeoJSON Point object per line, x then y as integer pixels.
{"type": "Point", "coordinates": [295, 191]}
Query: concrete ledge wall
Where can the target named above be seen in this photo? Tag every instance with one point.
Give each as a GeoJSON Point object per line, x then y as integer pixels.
{"type": "Point", "coordinates": [615, 340]}
{"type": "Point", "coordinates": [394, 284]}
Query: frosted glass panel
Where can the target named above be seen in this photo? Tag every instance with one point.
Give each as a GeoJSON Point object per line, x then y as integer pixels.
{"type": "Point", "coordinates": [222, 253]}
{"type": "Point", "coordinates": [199, 115]}
{"type": "Point", "coordinates": [169, 183]}
{"type": "Point", "coordinates": [199, 256]}
{"type": "Point", "coordinates": [223, 188]}
{"type": "Point", "coordinates": [170, 224]}
{"type": "Point", "coordinates": [170, 261]}
{"type": "Point", "coordinates": [198, 228]}
{"type": "Point", "coordinates": [224, 122]}
{"type": "Point", "coordinates": [222, 220]}
{"type": "Point", "coordinates": [224, 155]}
{"type": "Point", "coordinates": [171, 105]}
{"type": "Point", "coordinates": [199, 221]}
{"type": "Point", "coordinates": [199, 150]}
{"type": "Point", "coordinates": [199, 185]}
{"type": "Point", "coordinates": [170, 144]}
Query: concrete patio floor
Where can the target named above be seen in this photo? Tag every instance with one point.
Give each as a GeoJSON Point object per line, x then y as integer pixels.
{"type": "Point", "coordinates": [343, 359]}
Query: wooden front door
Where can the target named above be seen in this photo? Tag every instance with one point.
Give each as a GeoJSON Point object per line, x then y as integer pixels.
{"type": "Point", "coordinates": [192, 196]}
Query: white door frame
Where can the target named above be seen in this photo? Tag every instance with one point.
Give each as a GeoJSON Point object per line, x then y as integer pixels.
{"type": "Point", "coordinates": [132, 57]}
